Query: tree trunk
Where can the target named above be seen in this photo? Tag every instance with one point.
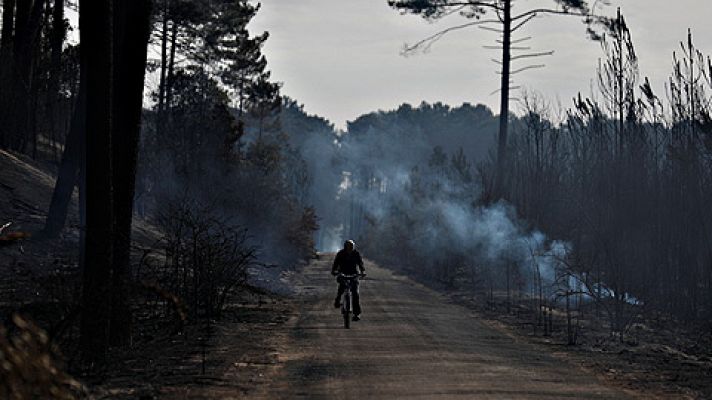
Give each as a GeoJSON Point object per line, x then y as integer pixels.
{"type": "Point", "coordinates": [171, 66]}
{"type": "Point", "coordinates": [68, 169]}
{"type": "Point", "coordinates": [500, 175]}
{"type": "Point", "coordinates": [96, 63]}
{"type": "Point", "coordinates": [620, 83]}
{"type": "Point", "coordinates": [8, 23]}
{"type": "Point", "coordinates": [509, 296]}
{"type": "Point", "coordinates": [164, 60]}
{"type": "Point", "coordinates": [27, 23]}
{"type": "Point", "coordinates": [569, 326]}
{"type": "Point", "coordinates": [56, 40]}
{"type": "Point", "coordinates": [16, 93]}
{"type": "Point", "coordinates": [131, 42]}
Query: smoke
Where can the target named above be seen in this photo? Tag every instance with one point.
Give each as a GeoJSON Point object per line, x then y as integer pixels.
{"type": "Point", "coordinates": [410, 203]}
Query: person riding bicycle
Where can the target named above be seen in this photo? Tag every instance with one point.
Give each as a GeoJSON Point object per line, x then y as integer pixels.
{"type": "Point", "coordinates": [348, 262]}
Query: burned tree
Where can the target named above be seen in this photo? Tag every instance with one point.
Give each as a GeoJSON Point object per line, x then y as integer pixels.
{"type": "Point", "coordinates": [95, 24]}
{"type": "Point", "coordinates": [131, 32]}
{"type": "Point", "coordinates": [113, 112]}
{"type": "Point", "coordinates": [508, 24]}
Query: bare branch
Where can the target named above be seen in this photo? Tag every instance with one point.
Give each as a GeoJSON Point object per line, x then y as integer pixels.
{"type": "Point", "coordinates": [545, 53]}
{"type": "Point", "coordinates": [488, 28]}
{"type": "Point", "coordinates": [489, 47]}
{"type": "Point", "coordinates": [485, 4]}
{"type": "Point", "coordinates": [453, 11]}
{"type": "Point", "coordinates": [426, 43]}
{"type": "Point", "coordinates": [549, 11]}
{"type": "Point", "coordinates": [516, 40]}
{"type": "Point", "coordinates": [477, 4]}
{"type": "Point", "coordinates": [510, 88]}
{"type": "Point", "coordinates": [521, 24]}
{"type": "Point", "coordinates": [528, 68]}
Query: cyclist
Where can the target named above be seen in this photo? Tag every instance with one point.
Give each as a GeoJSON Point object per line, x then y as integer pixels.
{"type": "Point", "coordinates": [348, 262]}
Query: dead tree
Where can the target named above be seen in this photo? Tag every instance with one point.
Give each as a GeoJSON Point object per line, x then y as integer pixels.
{"type": "Point", "coordinates": [508, 24]}
{"type": "Point", "coordinates": [131, 32]}
{"type": "Point", "coordinates": [114, 94]}
{"type": "Point", "coordinates": [95, 29]}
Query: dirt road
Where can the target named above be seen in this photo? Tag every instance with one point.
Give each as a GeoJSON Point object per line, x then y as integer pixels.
{"type": "Point", "coordinates": [412, 343]}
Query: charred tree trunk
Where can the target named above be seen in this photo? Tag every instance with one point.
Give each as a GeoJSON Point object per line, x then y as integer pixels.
{"type": "Point", "coordinates": [164, 60]}
{"type": "Point", "coordinates": [509, 292]}
{"type": "Point", "coordinates": [171, 66]}
{"type": "Point", "coordinates": [500, 175]}
{"type": "Point", "coordinates": [68, 169]}
{"type": "Point", "coordinates": [95, 25]}
{"type": "Point", "coordinates": [131, 41]}
{"type": "Point", "coordinates": [56, 40]}
{"type": "Point", "coordinates": [27, 23]}
{"type": "Point", "coordinates": [18, 88]}
{"type": "Point", "coordinates": [546, 320]}
{"type": "Point", "coordinates": [569, 327]}
{"type": "Point", "coordinates": [8, 24]}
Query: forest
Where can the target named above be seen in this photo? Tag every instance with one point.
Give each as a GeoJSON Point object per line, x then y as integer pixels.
{"type": "Point", "coordinates": [158, 186]}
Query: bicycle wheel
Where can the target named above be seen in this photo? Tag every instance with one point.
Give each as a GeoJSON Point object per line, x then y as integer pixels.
{"type": "Point", "coordinates": [346, 311]}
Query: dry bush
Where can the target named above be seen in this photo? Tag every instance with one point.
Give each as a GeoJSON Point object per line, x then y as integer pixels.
{"type": "Point", "coordinates": [28, 367]}
{"type": "Point", "coordinates": [203, 257]}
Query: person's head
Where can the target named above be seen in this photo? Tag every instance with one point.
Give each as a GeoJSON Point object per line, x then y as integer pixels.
{"type": "Point", "coordinates": [349, 246]}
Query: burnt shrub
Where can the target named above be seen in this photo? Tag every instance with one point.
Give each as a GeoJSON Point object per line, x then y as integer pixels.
{"type": "Point", "coordinates": [202, 258]}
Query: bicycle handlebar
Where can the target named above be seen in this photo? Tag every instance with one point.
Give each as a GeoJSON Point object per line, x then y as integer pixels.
{"type": "Point", "coordinates": [351, 276]}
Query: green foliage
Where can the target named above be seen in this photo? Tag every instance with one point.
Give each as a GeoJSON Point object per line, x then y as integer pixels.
{"type": "Point", "coordinates": [217, 137]}
{"type": "Point", "coordinates": [435, 9]}
{"type": "Point", "coordinates": [472, 127]}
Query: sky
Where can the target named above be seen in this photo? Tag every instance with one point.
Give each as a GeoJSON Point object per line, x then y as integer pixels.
{"type": "Point", "coordinates": [342, 58]}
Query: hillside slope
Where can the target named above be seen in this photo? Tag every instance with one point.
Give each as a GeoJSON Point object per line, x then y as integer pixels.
{"type": "Point", "coordinates": [29, 268]}
{"type": "Point", "coordinates": [25, 193]}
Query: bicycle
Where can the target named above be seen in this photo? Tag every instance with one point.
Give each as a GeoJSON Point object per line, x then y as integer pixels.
{"type": "Point", "coordinates": [346, 303]}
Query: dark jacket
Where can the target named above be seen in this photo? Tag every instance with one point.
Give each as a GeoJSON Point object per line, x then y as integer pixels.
{"type": "Point", "coordinates": [347, 264]}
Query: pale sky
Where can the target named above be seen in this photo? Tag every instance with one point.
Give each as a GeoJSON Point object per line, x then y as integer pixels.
{"type": "Point", "coordinates": [341, 58]}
